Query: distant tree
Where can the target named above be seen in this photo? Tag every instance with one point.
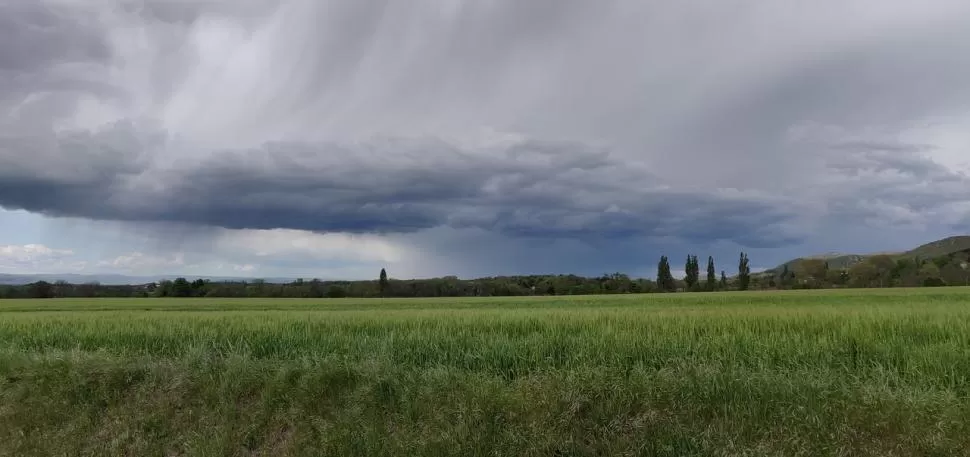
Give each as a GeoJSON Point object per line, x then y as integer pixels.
{"type": "Point", "coordinates": [691, 272]}
{"type": "Point", "coordinates": [711, 274]}
{"type": "Point", "coordinates": [199, 287]}
{"type": "Point", "coordinates": [787, 277]}
{"type": "Point", "coordinates": [335, 291]}
{"type": "Point", "coordinates": [181, 288]}
{"type": "Point", "coordinates": [671, 283]}
{"type": "Point", "coordinates": [89, 289]}
{"type": "Point", "coordinates": [744, 272]}
{"type": "Point", "coordinates": [665, 280]}
{"type": "Point", "coordinates": [40, 289]}
{"type": "Point", "coordinates": [316, 289]}
{"type": "Point", "coordinates": [929, 273]}
{"type": "Point", "coordinates": [905, 273]}
{"type": "Point", "coordinates": [258, 288]}
{"type": "Point", "coordinates": [62, 289]}
{"type": "Point", "coordinates": [723, 285]}
{"type": "Point", "coordinates": [834, 277]}
{"type": "Point", "coordinates": [954, 273]}
{"type": "Point", "coordinates": [696, 271]}
{"type": "Point", "coordinates": [163, 289]}
{"type": "Point", "coordinates": [382, 282]}
{"type": "Point", "coordinates": [813, 269]}
{"type": "Point", "coordinates": [864, 274]}
{"type": "Point", "coordinates": [884, 266]}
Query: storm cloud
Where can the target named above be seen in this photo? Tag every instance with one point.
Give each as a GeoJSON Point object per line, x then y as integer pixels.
{"type": "Point", "coordinates": [517, 187]}
{"type": "Point", "coordinates": [753, 124]}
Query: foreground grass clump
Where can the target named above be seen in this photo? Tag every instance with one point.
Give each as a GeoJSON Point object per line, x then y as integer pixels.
{"type": "Point", "coordinates": [798, 373]}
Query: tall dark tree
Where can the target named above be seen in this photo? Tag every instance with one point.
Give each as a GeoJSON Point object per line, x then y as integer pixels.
{"type": "Point", "coordinates": [711, 274]}
{"type": "Point", "coordinates": [711, 284]}
{"type": "Point", "coordinates": [691, 272]}
{"type": "Point", "coordinates": [697, 271]}
{"type": "Point", "coordinates": [744, 272]}
{"type": "Point", "coordinates": [665, 280]}
{"type": "Point", "coordinates": [660, 272]}
{"type": "Point", "coordinates": [382, 282]}
{"type": "Point", "coordinates": [688, 266]}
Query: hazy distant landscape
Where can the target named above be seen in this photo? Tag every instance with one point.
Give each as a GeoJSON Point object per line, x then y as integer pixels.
{"type": "Point", "coordinates": [944, 262]}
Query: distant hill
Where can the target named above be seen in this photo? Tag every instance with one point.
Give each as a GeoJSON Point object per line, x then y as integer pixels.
{"type": "Point", "coordinates": [930, 250]}
{"type": "Point", "coordinates": [836, 261]}
{"type": "Point", "coordinates": [941, 248]}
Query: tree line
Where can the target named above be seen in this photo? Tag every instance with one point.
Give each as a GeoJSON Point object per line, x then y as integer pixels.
{"type": "Point", "coordinates": [873, 271]}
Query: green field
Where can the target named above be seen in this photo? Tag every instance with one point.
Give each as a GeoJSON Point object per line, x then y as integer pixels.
{"type": "Point", "coordinates": [874, 372]}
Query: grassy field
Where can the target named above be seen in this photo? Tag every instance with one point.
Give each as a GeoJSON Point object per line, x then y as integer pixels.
{"type": "Point", "coordinates": [874, 372]}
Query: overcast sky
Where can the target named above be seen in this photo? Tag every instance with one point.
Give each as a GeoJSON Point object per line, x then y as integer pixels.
{"type": "Point", "coordinates": [321, 138]}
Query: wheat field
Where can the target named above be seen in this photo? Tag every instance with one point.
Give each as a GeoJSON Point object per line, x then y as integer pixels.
{"type": "Point", "coordinates": [836, 372]}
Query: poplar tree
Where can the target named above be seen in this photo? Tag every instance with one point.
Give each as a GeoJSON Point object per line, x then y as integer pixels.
{"type": "Point", "coordinates": [660, 274]}
{"type": "Point", "coordinates": [744, 272]}
{"type": "Point", "coordinates": [665, 280]}
{"type": "Point", "coordinates": [382, 282]}
{"type": "Point", "coordinates": [711, 274]}
{"type": "Point", "coordinates": [692, 272]}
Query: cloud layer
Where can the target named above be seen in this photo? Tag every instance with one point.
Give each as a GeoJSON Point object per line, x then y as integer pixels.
{"type": "Point", "coordinates": [516, 187]}
{"type": "Point", "coordinates": [600, 125]}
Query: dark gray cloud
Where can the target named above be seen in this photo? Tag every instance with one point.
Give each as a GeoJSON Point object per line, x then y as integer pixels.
{"type": "Point", "coordinates": [521, 187]}
{"type": "Point", "coordinates": [745, 123]}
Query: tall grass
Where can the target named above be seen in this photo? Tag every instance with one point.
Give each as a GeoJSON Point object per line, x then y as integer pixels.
{"type": "Point", "coordinates": [825, 373]}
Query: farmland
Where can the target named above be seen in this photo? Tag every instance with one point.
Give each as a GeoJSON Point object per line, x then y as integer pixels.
{"type": "Point", "coordinates": [833, 372]}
